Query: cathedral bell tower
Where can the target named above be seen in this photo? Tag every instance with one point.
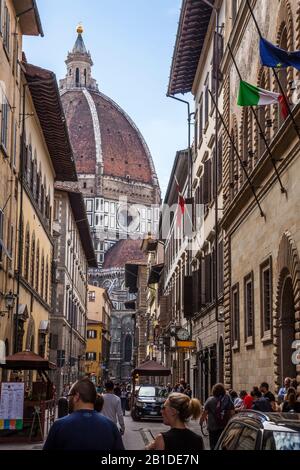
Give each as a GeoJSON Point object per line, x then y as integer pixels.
{"type": "Point", "coordinates": [79, 67]}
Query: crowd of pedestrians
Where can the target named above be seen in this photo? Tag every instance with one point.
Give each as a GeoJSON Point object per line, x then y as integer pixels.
{"type": "Point", "coordinates": [221, 406]}
{"type": "Point", "coordinates": [88, 411]}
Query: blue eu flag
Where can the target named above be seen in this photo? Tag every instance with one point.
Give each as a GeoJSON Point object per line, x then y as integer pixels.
{"type": "Point", "coordinates": [273, 56]}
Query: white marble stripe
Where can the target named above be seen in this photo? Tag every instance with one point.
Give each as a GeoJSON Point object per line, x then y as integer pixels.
{"type": "Point", "coordinates": [96, 125]}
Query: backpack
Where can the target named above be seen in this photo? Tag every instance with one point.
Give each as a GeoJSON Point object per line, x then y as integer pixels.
{"type": "Point", "coordinates": [223, 414]}
{"type": "Point", "coordinates": [262, 404]}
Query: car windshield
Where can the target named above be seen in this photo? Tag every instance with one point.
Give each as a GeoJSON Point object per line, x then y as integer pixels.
{"type": "Point", "coordinates": [281, 440]}
{"type": "Point", "coordinates": [149, 392]}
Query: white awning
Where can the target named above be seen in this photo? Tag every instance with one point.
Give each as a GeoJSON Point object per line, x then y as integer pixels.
{"type": "Point", "coordinates": [23, 312]}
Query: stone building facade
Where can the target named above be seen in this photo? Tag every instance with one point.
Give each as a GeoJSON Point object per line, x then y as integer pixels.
{"type": "Point", "coordinates": [176, 261]}
{"type": "Point", "coordinates": [256, 336]}
{"type": "Point", "coordinates": [98, 334]}
{"type": "Point", "coordinates": [262, 249]}
{"type": "Point", "coordinates": [73, 255]}
{"type": "Point", "coordinates": [10, 137]}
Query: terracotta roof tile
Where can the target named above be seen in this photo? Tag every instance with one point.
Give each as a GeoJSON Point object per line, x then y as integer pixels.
{"type": "Point", "coordinates": [123, 252]}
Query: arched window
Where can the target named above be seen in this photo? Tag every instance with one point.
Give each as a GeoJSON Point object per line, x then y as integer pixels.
{"type": "Point", "coordinates": [34, 176]}
{"type": "Point", "coordinates": [31, 174]}
{"type": "Point", "coordinates": [43, 189]}
{"type": "Point", "coordinates": [27, 254]}
{"type": "Point", "coordinates": [77, 77]}
{"type": "Point", "coordinates": [37, 268]}
{"type": "Point", "coordinates": [38, 187]}
{"type": "Point", "coordinates": [85, 77]}
{"type": "Point", "coordinates": [42, 275]}
{"type": "Point", "coordinates": [128, 348]}
{"type": "Point", "coordinates": [32, 261]}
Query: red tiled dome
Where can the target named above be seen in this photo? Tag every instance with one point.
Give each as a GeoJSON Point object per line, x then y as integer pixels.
{"type": "Point", "coordinates": [122, 149]}
{"type": "Point", "coordinates": [122, 252]}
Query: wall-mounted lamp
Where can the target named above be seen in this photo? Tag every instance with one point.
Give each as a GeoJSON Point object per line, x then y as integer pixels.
{"type": "Point", "coordinates": [9, 303]}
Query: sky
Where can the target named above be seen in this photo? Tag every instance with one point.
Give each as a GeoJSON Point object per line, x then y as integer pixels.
{"type": "Point", "coordinates": [131, 43]}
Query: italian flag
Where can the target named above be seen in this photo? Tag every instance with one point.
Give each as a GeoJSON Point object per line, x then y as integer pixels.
{"type": "Point", "coordinates": [250, 95]}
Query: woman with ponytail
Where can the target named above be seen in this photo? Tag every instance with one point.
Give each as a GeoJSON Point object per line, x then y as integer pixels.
{"type": "Point", "coordinates": [176, 411]}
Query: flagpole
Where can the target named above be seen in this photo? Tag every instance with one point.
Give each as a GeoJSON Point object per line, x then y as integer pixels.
{"type": "Point", "coordinates": [238, 155]}
{"type": "Point", "coordinates": [283, 190]}
{"type": "Point", "coordinates": [275, 75]}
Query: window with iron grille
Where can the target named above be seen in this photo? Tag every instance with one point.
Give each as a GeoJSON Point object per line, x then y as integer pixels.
{"type": "Point", "coordinates": [266, 297]}
{"type": "Point", "coordinates": [235, 316]}
{"type": "Point", "coordinates": [92, 296]}
{"type": "Point", "coordinates": [249, 307]}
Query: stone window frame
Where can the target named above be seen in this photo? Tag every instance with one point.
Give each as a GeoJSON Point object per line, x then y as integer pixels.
{"type": "Point", "coordinates": [249, 338]}
{"type": "Point", "coordinates": [235, 318]}
{"type": "Point", "coordinates": [266, 334]}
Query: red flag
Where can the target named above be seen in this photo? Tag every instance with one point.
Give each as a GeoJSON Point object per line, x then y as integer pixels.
{"type": "Point", "coordinates": [283, 106]}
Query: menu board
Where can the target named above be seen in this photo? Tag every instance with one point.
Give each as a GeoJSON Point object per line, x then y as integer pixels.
{"type": "Point", "coordinates": [12, 405]}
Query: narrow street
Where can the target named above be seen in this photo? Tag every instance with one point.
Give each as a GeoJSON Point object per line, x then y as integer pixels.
{"type": "Point", "coordinates": [137, 435]}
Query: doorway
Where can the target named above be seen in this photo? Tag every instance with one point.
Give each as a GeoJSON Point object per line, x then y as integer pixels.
{"type": "Point", "coordinates": [287, 330]}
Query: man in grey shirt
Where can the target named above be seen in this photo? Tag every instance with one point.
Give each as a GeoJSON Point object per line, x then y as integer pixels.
{"type": "Point", "coordinates": [112, 408]}
{"type": "Point", "coordinates": [218, 409]}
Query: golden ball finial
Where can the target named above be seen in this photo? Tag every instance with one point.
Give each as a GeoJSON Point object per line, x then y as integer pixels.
{"type": "Point", "coordinates": [79, 29]}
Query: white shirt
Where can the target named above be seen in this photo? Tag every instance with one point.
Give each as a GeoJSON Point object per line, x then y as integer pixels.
{"type": "Point", "coordinates": [112, 409]}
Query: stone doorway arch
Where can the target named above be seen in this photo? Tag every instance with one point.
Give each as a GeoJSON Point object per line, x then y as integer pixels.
{"type": "Point", "coordinates": [287, 311]}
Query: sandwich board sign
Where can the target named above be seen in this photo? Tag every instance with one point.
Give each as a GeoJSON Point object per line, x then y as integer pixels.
{"type": "Point", "coordinates": [12, 405]}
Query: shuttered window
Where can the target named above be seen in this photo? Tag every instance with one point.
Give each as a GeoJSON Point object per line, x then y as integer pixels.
{"type": "Point", "coordinates": [6, 29]}
{"type": "Point", "coordinates": [221, 267]}
{"type": "Point", "coordinates": [220, 161]}
{"type": "Point", "coordinates": [249, 307]}
{"type": "Point", "coordinates": [235, 316]}
{"type": "Point", "coordinates": [207, 267]}
{"type": "Point", "coordinates": [4, 123]}
{"type": "Point", "coordinates": [207, 182]}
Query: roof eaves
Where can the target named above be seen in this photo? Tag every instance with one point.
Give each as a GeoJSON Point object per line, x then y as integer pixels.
{"type": "Point", "coordinates": [192, 28]}
{"type": "Point", "coordinates": [45, 95]}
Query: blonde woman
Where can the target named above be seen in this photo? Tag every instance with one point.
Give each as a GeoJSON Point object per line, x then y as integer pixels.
{"type": "Point", "coordinates": [177, 409]}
